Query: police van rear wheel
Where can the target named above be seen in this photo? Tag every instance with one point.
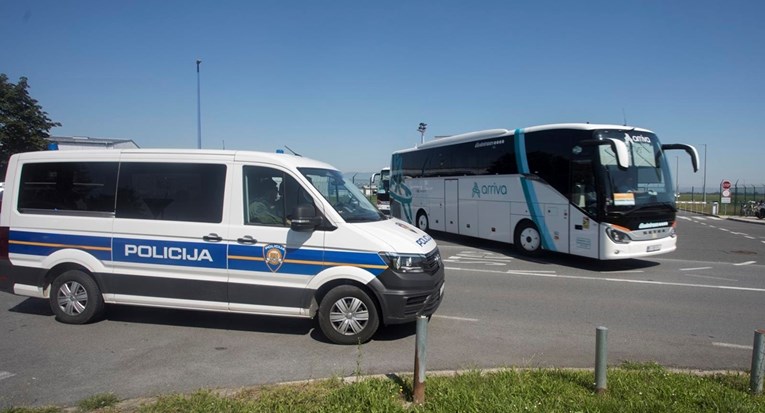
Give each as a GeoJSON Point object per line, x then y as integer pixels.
{"type": "Point", "coordinates": [347, 315]}
{"type": "Point", "coordinates": [75, 298]}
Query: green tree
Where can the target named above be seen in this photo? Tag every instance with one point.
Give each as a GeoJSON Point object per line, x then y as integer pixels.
{"type": "Point", "coordinates": [23, 124]}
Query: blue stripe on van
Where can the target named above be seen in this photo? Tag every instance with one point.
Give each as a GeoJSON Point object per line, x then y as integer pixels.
{"type": "Point", "coordinates": [44, 244]}
{"type": "Point", "coordinates": [528, 191]}
{"type": "Point", "coordinates": [302, 261]}
{"type": "Point", "coordinates": [186, 254]}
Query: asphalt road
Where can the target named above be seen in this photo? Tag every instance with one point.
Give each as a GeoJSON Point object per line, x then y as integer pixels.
{"type": "Point", "coordinates": [694, 308]}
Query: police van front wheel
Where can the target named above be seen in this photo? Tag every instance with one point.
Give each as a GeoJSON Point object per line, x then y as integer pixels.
{"type": "Point", "coordinates": [75, 298]}
{"type": "Point", "coordinates": [347, 315]}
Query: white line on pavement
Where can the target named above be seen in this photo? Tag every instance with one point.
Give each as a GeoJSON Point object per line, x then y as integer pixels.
{"type": "Point", "coordinates": [448, 317]}
{"type": "Point", "coordinates": [5, 375]}
{"type": "Point", "coordinates": [736, 346]}
{"type": "Point", "coordinates": [709, 277]}
{"type": "Point", "coordinates": [746, 263]}
{"type": "Point", "coordinates": [619, 280]}
{"type": "Point", "coordinates": [694, 269]}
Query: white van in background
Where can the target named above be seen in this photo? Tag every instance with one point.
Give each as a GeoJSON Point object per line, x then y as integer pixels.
{"type": "Point", "coordinates": [231, 231]}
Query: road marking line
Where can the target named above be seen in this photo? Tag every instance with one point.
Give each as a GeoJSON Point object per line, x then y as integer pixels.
{"type": "Point", "coordinates": [455, 318]}
{"type": "Point", "coordinates": [709, 277]}
{"type": "Point", "coordinates": [700, 218]}
{"type": "Point", "coordinates": [746, 263]}
{"type": "Point", "coordinates": [736, 346]}
{"type": "Point", "coordinates": [716, 219]}
{"type": "Point", "coordinates": [724, 229]}
{"type": "Point", "coordinates": [5, 375]}
{"type": "Point", "coordinates": [694, 269]}
{"type": "Point", "coordinates": [712, 226]}
{"type": "Point", "coordinates": [619, 280]}
{"type": "Point", "coordinates": [749, 237]}
{"type": "Point", "coordinates": [623, 272]}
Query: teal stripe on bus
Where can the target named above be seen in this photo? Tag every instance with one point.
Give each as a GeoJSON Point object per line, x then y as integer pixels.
{"type": "Point", "coordinates": [528, 191]}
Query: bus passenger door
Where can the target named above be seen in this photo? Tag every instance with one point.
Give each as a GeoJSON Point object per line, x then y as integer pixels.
{"type": "Point", "coordinates": [451, 205]}
{"type": "Point", "coordinates": [583, 230]}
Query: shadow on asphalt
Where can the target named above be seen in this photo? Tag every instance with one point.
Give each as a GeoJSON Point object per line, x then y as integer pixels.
{"type": "Point", "coordinates": [546, 258]}
{"type": "Point", "coordinates": [213, 320]}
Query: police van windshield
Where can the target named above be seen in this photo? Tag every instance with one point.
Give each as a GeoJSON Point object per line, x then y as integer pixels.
{"type": "Point", "coordinates": [645, 183]}
{"type": "Point", "coordinates": [343, 195]}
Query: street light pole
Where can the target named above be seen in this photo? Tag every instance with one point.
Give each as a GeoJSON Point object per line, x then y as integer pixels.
{"type": "Point", "coordinates": [421, 129]}
{"type": "Point", "coordinates": [199, 111]}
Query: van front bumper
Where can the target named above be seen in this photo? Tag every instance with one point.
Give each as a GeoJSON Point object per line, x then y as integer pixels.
{"type": "Point", "coordinates": [404, 297]}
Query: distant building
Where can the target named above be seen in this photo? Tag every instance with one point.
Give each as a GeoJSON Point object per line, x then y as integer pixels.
{"type": "Point", "coordinates": [68, 143]}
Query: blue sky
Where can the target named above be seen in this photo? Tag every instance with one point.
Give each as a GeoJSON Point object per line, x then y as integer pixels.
{"type": "Point", "coordinates": [347, 82]}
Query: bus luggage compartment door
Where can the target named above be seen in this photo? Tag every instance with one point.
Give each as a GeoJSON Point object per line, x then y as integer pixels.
{"type": "Point", "coordinates": [451, 205]}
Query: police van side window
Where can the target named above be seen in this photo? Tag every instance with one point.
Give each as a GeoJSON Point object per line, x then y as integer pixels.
{"type": "Point", "coordinates": [270, 196]}
{"type": "Point", "coordinates": [171, 191]}
{"type": "Point", "coordinates": [68, 188]}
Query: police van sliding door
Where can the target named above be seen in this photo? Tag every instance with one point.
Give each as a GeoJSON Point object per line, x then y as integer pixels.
{"type": "Point", "coordinates": [269, 264]}
{"type": "Point", "coordinates": [169, 232]}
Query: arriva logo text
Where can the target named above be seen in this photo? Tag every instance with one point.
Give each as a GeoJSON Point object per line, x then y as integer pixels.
{"type": "Point", "coordinates": [168, 253]}
{"type": "Point", "coordinates": [492, 189]}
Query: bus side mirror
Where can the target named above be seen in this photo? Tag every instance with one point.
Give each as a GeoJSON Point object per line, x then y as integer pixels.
{"type": "Point", "coordinates": [304, 218]}
{"type": "Point", "coordinates": [619, 147]}
{"type": "Point", "coordinates": [688, 148]}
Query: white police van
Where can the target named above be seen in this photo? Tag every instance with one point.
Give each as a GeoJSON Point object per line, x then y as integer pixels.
{"type": "Point", "coordinates": [231, 231]}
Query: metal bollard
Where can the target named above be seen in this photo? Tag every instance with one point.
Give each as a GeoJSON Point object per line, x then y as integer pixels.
{"type": "Point", "coordinates": [601, 359]}
{"type": "Point", "coordinates": [758, 365]}
{"type": "Point", "coordinates": [420, 360]}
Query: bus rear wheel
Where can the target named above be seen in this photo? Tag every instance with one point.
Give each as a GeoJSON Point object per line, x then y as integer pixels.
{"type": "Point", "coordinates": [422, 221]}
{"type": "Point", "coordinates": [528, 240]}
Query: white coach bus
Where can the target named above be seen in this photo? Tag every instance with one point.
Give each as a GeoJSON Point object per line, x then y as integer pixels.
{"type": "Point", "coordinates": [599, 191]}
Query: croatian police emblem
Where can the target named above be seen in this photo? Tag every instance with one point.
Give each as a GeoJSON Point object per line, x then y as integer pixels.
{"type": "Point", "coordinates": [274, 256]}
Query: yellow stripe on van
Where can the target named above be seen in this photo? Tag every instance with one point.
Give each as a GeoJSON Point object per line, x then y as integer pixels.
{"type": "Point", "coordinates": [45, 244]}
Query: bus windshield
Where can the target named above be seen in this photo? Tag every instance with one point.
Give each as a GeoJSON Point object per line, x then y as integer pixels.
{"type": "Point", "coordinates": [344, 196]}
{"type": "Point", "coordinates": [646, 183]}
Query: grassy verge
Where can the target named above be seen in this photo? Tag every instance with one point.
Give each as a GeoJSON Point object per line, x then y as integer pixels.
{"type": "Point", "coordinates": [631, 388]}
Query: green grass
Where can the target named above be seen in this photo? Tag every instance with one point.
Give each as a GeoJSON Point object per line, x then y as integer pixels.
{"type": "Point", "coordinates": [633, 387]}
{"type": "Point", "coordinates": [99, 401]}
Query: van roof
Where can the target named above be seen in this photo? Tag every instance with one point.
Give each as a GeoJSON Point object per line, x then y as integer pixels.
{"type": "Point", "coordinates": [170, 155]}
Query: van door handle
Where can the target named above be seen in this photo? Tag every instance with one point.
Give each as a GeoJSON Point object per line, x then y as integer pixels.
{"type": "Point", "coordinates": [247, 240]}
{"type": "Point", "coordinates": [212, 237]}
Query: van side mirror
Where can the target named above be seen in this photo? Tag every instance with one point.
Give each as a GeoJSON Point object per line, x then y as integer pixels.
{"type": "Point", "coordinates": [304, 218]}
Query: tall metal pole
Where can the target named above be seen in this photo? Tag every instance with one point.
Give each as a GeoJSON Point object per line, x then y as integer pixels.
{"type": "Point", "coordinates": [677, 175]}
{"type": "Point", "coordinates": [705, 174]}
{"type": "Point", "coordinates": [199, 111]}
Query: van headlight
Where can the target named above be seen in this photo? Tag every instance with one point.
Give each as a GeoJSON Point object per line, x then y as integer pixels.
{"type": "Point", "coordinates": [408, 263]}
{"type": "Point", "coordinates": [618, 235]}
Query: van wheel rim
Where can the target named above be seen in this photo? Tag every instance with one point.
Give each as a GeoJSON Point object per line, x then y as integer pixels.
{"type": "Point", "coordinates": [349, 316]}
{"type": "Point", "coordinates": [72, 298]}
{"type": "Point", "coordinates": [530, 239]}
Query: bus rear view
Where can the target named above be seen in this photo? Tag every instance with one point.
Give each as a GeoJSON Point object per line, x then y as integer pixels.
{"type": "Point", "coordinates": [600, 191]}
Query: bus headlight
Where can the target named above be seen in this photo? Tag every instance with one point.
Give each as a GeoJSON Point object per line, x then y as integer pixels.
{"type": "Point", "coordinates": [408, 263]}
{"type": "Point", "coordinates": [618, 235]}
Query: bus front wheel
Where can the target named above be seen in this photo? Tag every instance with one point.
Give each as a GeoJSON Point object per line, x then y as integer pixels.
{"type": "Point", "coordinates": [527, 238]}
{"type": "Point", "coordinates": [422, 221]}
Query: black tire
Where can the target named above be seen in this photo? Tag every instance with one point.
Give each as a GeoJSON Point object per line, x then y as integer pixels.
{"type": "Point", "coordinates": [422, 221]}
{"type": "Point", "coordinates": [75, 298]}
{"type": "Point", "coordinates": [528, 240]}
{"type": "Point", "coordinates": [347, 315]}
